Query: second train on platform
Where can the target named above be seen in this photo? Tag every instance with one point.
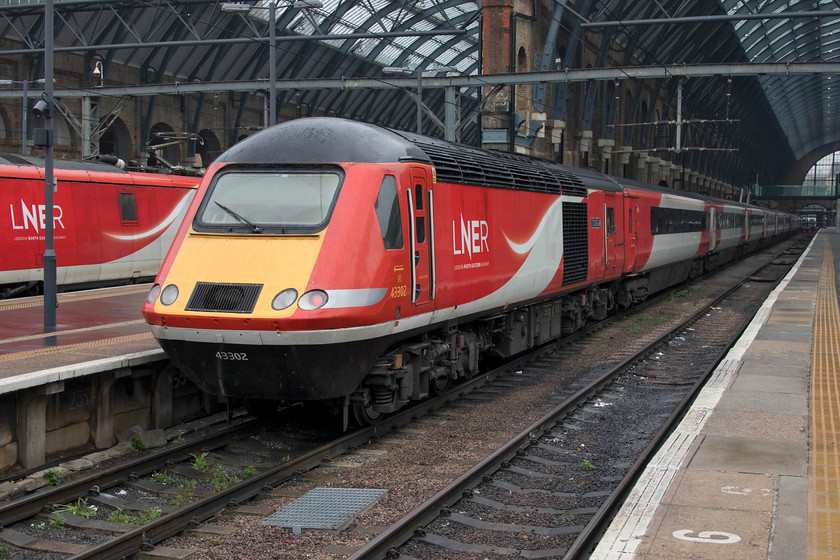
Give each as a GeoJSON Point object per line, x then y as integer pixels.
{"type": "Point", "coordinates": [325, 259]}
{"type": "Point", "coordinates": [111, 226]}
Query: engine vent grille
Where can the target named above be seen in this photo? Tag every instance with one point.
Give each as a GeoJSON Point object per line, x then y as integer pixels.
{"type": "Point", "coordinates": [470, 166]}
{"type": "Point", "coordinates": [575, 243]}
{"type": "Point", "coordinates": [225, 298]}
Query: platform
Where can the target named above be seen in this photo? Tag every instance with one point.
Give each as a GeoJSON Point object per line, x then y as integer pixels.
{"type": "Point", "coordinates": [97, 330]}
{"type": "Point", "coordinates": [73, 390]}
{"type": "Point", "coordinates": [749, 473]}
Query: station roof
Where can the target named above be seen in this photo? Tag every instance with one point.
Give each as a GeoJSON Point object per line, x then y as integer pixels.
{"type": "Point", "coordinates": [782, 119]}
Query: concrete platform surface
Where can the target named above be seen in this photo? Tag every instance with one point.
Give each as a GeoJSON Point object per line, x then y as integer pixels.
{"type": "Point", "coordinates": [97, 330]}
{"type": "Point", "coordinates": [739, 479]}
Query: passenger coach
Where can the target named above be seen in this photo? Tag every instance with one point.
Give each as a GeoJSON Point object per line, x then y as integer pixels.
{"type": "Point", "coordinates": [110, 225]}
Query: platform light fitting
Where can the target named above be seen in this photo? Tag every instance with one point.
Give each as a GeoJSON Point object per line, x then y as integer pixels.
{"type": "Point", "coordinates": [236, 7]}
{"type": "Point", "coordinates": [239, 7]}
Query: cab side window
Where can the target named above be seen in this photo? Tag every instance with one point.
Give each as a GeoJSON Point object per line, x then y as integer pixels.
{"type": "Point", "coordinates": [388, 213]}
{"type": "Point", "coordinates": [128, 208]}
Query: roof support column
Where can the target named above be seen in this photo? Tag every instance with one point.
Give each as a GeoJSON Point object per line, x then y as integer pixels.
{"type": "Point", "coordinates": [451, 110]}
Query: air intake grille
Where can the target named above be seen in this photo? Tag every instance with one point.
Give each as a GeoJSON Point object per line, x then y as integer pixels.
{"type": "Point", "coordinates": [470, 166]}
{"type": "Point", "coordinates": [226, 298]}
{"type": "Point", "coordinates": [575, 243]}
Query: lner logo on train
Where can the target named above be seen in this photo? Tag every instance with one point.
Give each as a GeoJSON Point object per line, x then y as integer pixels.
{"type": "Point", "coordinates": [473, 238]}
{"type": "Point", "coordinates": [34, 217]}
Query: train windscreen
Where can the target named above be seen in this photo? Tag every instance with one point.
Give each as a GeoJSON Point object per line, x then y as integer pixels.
{"type": "Point", "coordinates": [268, 200]}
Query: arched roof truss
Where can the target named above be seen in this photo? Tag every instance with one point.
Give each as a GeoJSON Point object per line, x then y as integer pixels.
{"type": "Point", "coordinates": [196, 41]}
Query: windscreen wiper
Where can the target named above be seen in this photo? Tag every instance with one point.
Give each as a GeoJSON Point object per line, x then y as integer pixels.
{"type": "Point", "coordinates": [245, 221]}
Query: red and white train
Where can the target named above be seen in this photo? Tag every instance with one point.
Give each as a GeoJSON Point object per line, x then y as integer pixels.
{"type": "Point", "coordinates": [331, 259]}
{"type": "Point", "coordinates": [110, 225]}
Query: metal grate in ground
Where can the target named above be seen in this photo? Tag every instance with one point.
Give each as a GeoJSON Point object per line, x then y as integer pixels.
{"type": "Point", "coordinates": [325, 508]}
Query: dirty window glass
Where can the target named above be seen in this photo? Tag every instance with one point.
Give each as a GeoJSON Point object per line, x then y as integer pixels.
{"type": "Point", "coordinates": [388, 213]}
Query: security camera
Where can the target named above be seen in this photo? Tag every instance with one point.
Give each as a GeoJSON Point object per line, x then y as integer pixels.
{"type": "Point", "coordinates": [41, 109]}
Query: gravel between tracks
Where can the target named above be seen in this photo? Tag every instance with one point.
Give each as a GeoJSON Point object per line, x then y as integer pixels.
{"type": "Point", "coordinates": [416, 462]}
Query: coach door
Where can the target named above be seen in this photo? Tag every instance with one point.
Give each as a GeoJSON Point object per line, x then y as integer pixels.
{"type": "Point", "coordinates": [613, 234]}
{"type": "Point", "coordinates": [632, 213]}
{"type": "Point", "coordinates": [421, 216]}
{"type": "Point", "coordinates": [714, 238]}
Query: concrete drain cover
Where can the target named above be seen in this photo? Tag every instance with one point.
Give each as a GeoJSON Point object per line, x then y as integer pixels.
{"type": "Point", "coordinates": [325, 508]}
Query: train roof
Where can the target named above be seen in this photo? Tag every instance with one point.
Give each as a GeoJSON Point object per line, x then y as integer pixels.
{"type": "Point", "coordinates": [323, 140]}
{"type": "Point", "coordinates": [329, 140]}
{"type": "Point", "coordinates": [80, 165]}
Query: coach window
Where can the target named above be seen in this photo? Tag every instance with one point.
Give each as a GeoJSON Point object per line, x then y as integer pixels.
{"type": "Point", "coordinates": [388, 213]}
{"type": "Point", "coordinates": [610, 220]}
{"type": "Point", "coordinates": [128, 208]}
{"type": "Point", "coordinates": [675, 220]}
{"type": "Point", "coordinates": [629, 220]}
{"type": "Point", "coordinates": [419, 221]}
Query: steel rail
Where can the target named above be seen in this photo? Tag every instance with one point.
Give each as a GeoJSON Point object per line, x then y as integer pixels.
{"type": "Point", "coordinates": [605, 513]}
{"type": "Point", "coordinates": [400, 532]}
{"type": "Point", "coordinates": [172, 524]}
{"type": "Point", "coordinates": [32, 505]}
{"type": "Point", "coordinates": [169, 525]}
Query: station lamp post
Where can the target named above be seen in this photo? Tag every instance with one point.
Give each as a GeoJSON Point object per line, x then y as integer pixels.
{"type": "Point", "coordinates": [44, 138]}
{"type": "Point", "coordinates": [419, 72]}
{"type": "Point", "coordinates": [238, 7]}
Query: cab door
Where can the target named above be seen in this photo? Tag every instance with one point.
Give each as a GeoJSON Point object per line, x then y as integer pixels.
{"type": "Point", "coordinates": [420, 228]}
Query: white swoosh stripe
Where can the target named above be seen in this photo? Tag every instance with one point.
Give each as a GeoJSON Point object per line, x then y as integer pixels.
{"type": "Point", "coordinates": [160, 227]}
{"type": "Point", "coordinates": [523, 248]}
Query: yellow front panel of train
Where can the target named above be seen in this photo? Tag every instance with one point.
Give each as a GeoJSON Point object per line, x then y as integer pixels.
{"type": "Point", "coordinates": [275, 261]}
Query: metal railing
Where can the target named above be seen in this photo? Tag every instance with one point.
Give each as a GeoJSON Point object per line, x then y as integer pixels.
{"type": "Point", "coordinates": [795, 191]}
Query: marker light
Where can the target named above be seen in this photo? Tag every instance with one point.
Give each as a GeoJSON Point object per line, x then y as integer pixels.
{"type": "Point", "coordinates": [153, 294]}
{"type": "Point", "coordinates": [169, 294]}
{"type": "Point", "coordinates": [313, 300]}
{"type": "Point", "coordinates": [284, 299]}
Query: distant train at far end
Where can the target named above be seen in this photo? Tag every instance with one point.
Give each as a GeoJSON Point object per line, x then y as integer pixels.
{"type": "Point", "coordinates": [110, 225]}
{"type": "Point", "coordinates": [332, 260]}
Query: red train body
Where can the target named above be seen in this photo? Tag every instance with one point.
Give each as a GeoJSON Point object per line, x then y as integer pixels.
{"type": "Point", "coordinates": [329, 259]}
{"type": "Point", "coordinates": [110, 225]}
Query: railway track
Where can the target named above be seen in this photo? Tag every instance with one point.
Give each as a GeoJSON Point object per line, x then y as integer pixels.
{"type": "Point", "coordinates": [268, 471]}
{"type": "Point", "coordinates": [551, 490]}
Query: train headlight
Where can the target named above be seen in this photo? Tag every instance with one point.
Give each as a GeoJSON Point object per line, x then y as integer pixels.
{"type": "Point", "coordinates": [169, 294]}
{"type": "Point", "coordinates": [153, 294]}
{"type": "Point", "coordinates": [313, 300]}
{"type": "Point", "coordinates": [284, 299]}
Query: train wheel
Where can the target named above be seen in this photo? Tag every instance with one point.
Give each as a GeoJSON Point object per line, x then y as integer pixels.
{"type": "Point", "coordinates": [364, 415]}
{"type": "Point", "coordinates": [440, 385]}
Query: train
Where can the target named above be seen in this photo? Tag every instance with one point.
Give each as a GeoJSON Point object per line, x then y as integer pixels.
{"type": "Point", "coordinates": [110, 225]}
{"type": "Point", "coordinates": [341, 262]}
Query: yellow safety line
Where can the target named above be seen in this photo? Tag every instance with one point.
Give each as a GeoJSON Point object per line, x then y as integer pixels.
{"type": "Point", "coordinates": [38, 301]}
{"type": "Point", "coordinates": [70, 347]}
{"type": "Point", "coordinates": [824, 456]}
{"type": "Point", "coordinates": [71, 331]}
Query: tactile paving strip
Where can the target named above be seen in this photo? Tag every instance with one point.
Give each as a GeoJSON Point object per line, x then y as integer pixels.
{"type": "Point", "coordinates": [824, 459]}
{"type": "Point", "coordinates": [325, 508]}
{"type": "Point", "coordinates": [79, 346]}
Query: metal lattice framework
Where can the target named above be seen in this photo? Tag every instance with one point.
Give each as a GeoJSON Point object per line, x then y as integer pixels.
{"type": "Point", "coordinates": [193, 41]}
{"type": "Point", "coordinates": [782, 119]}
